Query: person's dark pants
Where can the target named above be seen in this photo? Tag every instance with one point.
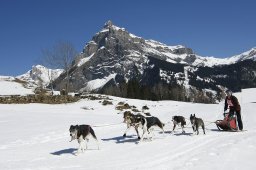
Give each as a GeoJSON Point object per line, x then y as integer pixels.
{"type": "Point", "coordinates": [239, 119]}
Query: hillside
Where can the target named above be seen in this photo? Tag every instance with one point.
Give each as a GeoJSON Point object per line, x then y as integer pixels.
{"type": "Point", "coordinates": [12, 86]}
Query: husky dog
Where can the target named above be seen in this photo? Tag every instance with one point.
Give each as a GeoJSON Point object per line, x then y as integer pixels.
{"type": "Point", "coordinates": [139, 120]}
{"type": "Point", "coordinates": [82, 133]}
{"type": "Point", "coordinates": [148, 123]}
{"type": "Point", "coordinates": [179, 120]}
{"type": "Point", "coordinates": [132, 121]}
{"type": "Point", "coordinates": [196, 122]}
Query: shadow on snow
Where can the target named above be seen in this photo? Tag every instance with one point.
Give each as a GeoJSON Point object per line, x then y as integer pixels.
{"type": "Point", "coordinates": [121, 139]}
{"type": "Point", "coordinates": [64, 151]}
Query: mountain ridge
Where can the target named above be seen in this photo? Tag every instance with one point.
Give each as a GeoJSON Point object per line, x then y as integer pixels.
{"type": "Point", "coordinates": [120, 63]}
{"type": "Point", "coordinates": [168, 51]}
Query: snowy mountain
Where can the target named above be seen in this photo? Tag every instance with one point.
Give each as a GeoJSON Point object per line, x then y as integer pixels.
{"type": "Point", "coordinates": [36, 136]}
{"type": "Point", "coordinates": [40, 76]}
{"type": "Point", "coordinates": [139, 47]}
{"type": "Point", "coordinates": [119, 63]}
{"type": "Point", "coordinates": [212, 61]}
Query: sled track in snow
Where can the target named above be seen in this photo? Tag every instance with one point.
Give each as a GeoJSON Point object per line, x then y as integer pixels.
{"type": "Point", "coordinates": [186, 150]}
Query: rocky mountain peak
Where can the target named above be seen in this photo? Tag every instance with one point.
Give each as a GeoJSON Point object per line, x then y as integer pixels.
{"type": "Point", "coordinates": [114, 57]}
{"type": "Point", "coordinates": [116, 40]}
{"type": "Point", "coordinates": [253, 53]}
{"type": "Point", "coordinates": [108, 24]}
{"type": "Point", "coordinates": [112, 38]}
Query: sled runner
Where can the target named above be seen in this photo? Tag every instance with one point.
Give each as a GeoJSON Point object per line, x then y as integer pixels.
{"type": "Point", "coordinates": [229, 123]}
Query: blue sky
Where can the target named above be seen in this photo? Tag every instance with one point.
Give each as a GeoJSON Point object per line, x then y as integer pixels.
{"type": "Point", "coordinates": [219, 28]}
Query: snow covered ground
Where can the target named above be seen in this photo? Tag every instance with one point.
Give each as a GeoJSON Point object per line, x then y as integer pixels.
{"type": "Point", "coordinates": [36, 137]}
{"type": "Point", "coordinates": [9, 87]}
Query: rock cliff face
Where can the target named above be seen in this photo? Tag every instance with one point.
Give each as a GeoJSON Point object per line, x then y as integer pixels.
{"type": "Point", "coordinates": [117, 62]}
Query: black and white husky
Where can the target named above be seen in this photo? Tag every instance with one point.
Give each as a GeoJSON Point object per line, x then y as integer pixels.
{"type": "Point", "coordinates": [196, 123]}
{"type": "Point", "coordinates": [82, 133]}
{"type": "Point", "coordinates": [179, 120]}
{"type": "Point", "coordinates": [148, 123]}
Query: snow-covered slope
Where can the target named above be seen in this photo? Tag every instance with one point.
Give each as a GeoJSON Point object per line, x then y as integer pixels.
{"type": "Point", "coordinates": [211, 61]}
{"type": "Point", "coordinates": [36, 136]}
{"type": "Point", "coordinates": [10, 86]}
{"type": "Point", "coordinates": [197, 60]}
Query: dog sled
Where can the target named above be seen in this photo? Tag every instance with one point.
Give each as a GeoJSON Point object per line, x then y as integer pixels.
{"type": "Point", "coordinates": [229, 123]}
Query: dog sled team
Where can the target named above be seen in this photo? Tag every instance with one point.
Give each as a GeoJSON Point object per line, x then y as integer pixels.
{"type": "Point", "coordinates": [82, 133]}
{"type": "Point", "coordinates": [146, 123]}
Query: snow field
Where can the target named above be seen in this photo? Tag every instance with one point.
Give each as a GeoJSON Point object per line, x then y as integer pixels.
{"type": "Point", "coordinates": [36, 136]}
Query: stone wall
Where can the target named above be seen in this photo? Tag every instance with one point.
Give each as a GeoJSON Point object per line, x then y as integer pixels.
{"type": "Point", "coordinates": [38, 99]}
